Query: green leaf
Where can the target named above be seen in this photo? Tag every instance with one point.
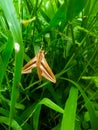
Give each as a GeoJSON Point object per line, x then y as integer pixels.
{"type": "Point", "coordinates": [36, 117]}
{"type": "Point", "coordinates": [69, 116]}
{"type": "Point", "coordinates": [47, 102]}
{"type": "Point", "coordinates": [4, 58]}
{"type": "Point", "coordinates": [88, 104]}
{"type": "Point", "coordinates": [73, 8]}
{"type": "Point", "coordinates": [14, 124]}
{"type": "Point", "coordinates": [13, 23]}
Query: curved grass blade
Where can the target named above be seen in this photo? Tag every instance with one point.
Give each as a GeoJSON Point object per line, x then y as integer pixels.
{"type": "Point", "coordinates": [47, 102]}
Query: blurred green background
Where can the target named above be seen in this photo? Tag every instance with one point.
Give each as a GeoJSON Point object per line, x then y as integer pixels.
{"type": "Point", "coordinates": [67, 30]}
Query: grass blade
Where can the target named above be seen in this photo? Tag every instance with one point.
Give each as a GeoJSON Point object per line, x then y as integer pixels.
{"type": "Point", "coordinates": [89, 106]}
{"type": "Point", "coordinates": [47, 102]}
{"type": "Point", "coordinates": [5, 57]}
{"type": "Point", "coordinates": [14, 124]}
{"type": "Point", "coordinates": [68, 121]}
{"type": "Point", "coordinates": [11, 17]}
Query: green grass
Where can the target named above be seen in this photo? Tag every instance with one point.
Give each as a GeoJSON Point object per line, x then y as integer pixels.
{"type": "Point", "coordinates": [68, 33]}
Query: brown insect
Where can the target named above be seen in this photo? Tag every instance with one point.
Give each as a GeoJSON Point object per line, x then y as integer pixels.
{"type": "Point", "coordinates": [42, 66]}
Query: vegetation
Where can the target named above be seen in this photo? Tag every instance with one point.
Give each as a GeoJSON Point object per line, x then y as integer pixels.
{"type": "Point", "coordinates": [67, 30]}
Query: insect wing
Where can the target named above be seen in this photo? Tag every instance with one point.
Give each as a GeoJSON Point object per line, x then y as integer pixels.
{"type": "Point", "coordinates": [46, 71]}
{"type": "Point", "coordinates": [29, 66]}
